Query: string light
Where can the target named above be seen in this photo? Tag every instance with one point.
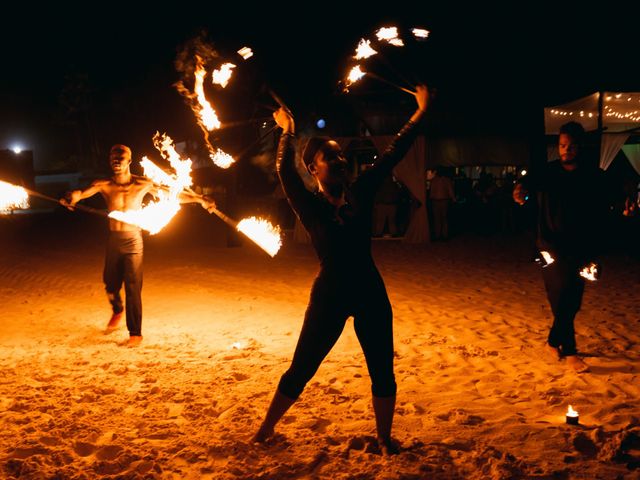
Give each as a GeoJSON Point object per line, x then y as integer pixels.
{"type": "Point", "coordinates": [623, 113]}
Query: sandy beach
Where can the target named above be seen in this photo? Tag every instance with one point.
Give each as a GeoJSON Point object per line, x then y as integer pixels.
{"type": "Point", "coordinates": [478, 397]}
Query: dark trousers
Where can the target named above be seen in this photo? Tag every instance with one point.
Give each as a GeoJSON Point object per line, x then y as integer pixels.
{"type": "Point", "coordinates": [564, 291]}
{"type": "Point", "coordinates": [123, 264]}
{"type": "Point", "coordinates": [334, 297]}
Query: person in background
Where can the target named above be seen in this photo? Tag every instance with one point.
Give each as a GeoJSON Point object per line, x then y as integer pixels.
{"type": "Point", "coordinates": [571, 218]}
{"type": "Point", "coordinates": [441, 195]}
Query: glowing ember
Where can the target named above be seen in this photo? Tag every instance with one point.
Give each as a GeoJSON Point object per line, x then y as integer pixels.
{"type": "Point", "coordinates": [389, 35]}
{"type": "Point", "coordinates": [222, 76]}
{"type": "Point", "coordinates": [222, 159]}
{"type": "Point", "coordinates": [420, 33]}
{"type": "Point", "coordinates": [245, 53]}
{"type": "Point", "coordinates": [262, 233]}
{"type": "Point", "coordinates": [364, 50]}
{"type": "Point", "coordinates": [590, 272]}
{"type": "Point", "coordinates": [571, 412]}
{"type": "Point", "coordinates": [547, 257]}
{"type": "Point", "coordinates": [354, 75]}
{"type": "Point", "coordinates": [12, 197]}
{"type": "Point", "coordinates": [203, 109]}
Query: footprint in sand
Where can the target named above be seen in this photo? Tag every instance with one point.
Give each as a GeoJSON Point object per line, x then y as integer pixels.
{"type": "Point", "coordinates": [84, 449]}
{"type": "Point", "coordinates": [460, 416]}
{"type": "Point", "coordinates": [109, 452]}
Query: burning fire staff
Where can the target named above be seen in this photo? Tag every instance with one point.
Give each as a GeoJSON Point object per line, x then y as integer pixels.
{"type": "Point", "coordinates": [571, 197]}
{"type": "Point", "coordinates": [338, 218]}
{"type": "Point", "coordinates": [123, 261]}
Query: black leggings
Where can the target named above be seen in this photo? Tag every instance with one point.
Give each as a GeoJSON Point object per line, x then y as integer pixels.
{"type": "Point", "coordinates": [335, 296]}
{"type": "Point", "coordinates": [123, 264]}
{"type": "Point", "coordinates": [564, 291]}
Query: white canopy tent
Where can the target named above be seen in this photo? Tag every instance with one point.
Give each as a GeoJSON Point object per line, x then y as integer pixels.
{"type": "Point", "coordinates": [616, 115]}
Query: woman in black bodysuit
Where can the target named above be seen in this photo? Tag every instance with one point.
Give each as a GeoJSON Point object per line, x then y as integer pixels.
{"type": "Point", "coordinates": [338, 218]}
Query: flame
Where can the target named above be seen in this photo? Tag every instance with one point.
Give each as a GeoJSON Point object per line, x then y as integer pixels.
{"type": "Point", "coordinates": [364, 50]}
{"type": "Point", "coordinates": [590, 272]}
{"type": "Point", "coordinates": [222, 76]}
{"type": "Point", "coordinates": [235, 346]}
{"type": "Point", "coordinates": [182, 178]}
{"type": "Point", "coordinates": [547, 257]}
{"type": "Point", "coordinates": [420, 33]}
{"type": "Point", "coordinates": [12, 197]}
{"type": "Point", "coordinates": [261, 232]}
{"type": "Point", "coordinates": [203, 109]}
{"type": "Point", "coordinates": [154, 216]}
{"type": "Point", "coordinates": [389, 35]}
{"type": "Point", "coordinates": [245, 53]}
{"type": "Point", "coordinates": [222, 159]}
{"type": "Point", "coordinates": [354, 75]}
{"type": "Point", "coordinates": [571, 412]}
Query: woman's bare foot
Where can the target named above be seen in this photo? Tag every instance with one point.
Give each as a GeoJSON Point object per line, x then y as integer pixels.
{"type": "Point", "coordinates": [577, 364]}
{"type": "Point", "coordinates": [134, 341]}
{"type": "Point", "coordinates": [262, 435]}
{"type": "Point", "coordinates": [388, 446]}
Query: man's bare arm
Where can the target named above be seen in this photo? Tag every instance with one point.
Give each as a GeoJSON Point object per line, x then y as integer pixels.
{"type": "Point", "coordinates": [75, 196]}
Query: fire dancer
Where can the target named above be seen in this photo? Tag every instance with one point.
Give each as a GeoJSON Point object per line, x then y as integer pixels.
{"type": "Point", "coordinates": [338, 218]}
{"type": "Point", "coordinates": [123, 261]}
{"type": "Point", "coordinates": [571, 210]}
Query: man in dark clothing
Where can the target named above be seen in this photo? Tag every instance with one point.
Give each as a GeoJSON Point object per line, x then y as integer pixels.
{"type": "Point", "coordinates": [571, 212]}
{"type": "Point", "coordinates": [338, 218]}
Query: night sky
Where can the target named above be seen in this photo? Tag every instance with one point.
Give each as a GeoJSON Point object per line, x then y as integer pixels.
{"type": "Point", "coordinates": [495, 67]}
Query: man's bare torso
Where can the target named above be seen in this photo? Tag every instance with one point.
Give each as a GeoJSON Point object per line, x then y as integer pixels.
{"type": "Point", "coordinates": [124, 197]}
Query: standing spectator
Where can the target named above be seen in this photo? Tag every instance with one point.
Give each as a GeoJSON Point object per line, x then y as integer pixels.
{"type": "Point", "coordinates": [441, 195]}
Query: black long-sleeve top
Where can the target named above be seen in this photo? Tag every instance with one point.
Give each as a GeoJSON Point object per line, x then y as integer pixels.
{"type": "Point", "coordinates": [572, 210]}
{"type": "Point", "coordinates": [340, 236]}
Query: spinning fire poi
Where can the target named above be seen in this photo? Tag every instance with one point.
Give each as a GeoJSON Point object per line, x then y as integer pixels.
{"type": "Point", "coordinates": [365, 50]}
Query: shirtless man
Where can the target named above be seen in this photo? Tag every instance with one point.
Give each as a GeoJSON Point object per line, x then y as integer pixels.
{"type": "Point", "coordinates": [123, 262]}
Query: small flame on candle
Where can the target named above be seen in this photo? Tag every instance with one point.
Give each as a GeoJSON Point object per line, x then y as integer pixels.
{"type": "Point", "coordinates": [571, 412]}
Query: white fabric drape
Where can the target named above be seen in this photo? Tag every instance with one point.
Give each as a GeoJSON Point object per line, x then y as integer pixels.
{"type": "Point", "coordinates": [411, 172]}
{"type": "Point", "coordinates": [633, 154]}
{"type": "Point", "coordinates": [610, 145]}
